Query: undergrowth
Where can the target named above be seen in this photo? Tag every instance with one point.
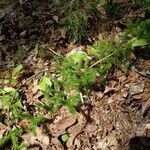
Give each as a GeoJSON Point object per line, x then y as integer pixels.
{"type": "Point", "coordinates": [13, 136]}
{"type": "Point", "coordinates": [138, 33]}
{"type": "Point", "coordinates": [72, 84]}
{"type": "Point", "coordinates": [76, 73]}
{"type": "Point", "coordinates": [13, 111]}
{"type": "Point", "coordinates": [75, 16]}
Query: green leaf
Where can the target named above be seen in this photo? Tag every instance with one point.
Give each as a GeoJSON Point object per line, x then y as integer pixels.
{"type": "Point", "coordinates": [42, 106]}
{"type": "Point", "coordinates": [65, 137]}
{"type": "Point", "coordinates": [6, 81]}
{"type": "Point", "coordinates": [137, 42]}
{"type": "Point", "coordinates": [6, 101]}
{"type": "Point", "coordinates": [18, 104]}
{"type": "Point", "coordinates": [45, 84]}
{"type": "Point", "coordinates": [9, 89]}
{"type": "Point", "coordinates": [70, 107]}
{"type": "Point", "coordinates": [88, 76]}
{"type": "Point", "coordinates": [13, 81]}
{"type": "Point", "coordinates": [15, 134]}
{"type": "Point", "coordinates": [16, 71]}
{"type": "Point", "coordinates": [22, 146]}
{"type": "Point", "coordinates": [79, 56]}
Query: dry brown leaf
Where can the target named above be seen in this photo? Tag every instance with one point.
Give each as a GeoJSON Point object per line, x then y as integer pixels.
{"type": "Point", "coordinates": [56, 145]}
{"type": "Point", "coordinates": [75, 130]}
{"type": "Point", "coordinates": [59, 127]}
{"type": "Point", "coordinates": [40, 139]}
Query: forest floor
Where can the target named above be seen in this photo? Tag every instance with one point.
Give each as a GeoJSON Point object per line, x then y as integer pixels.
{"type": "Point", "coordinates": [116, 117]}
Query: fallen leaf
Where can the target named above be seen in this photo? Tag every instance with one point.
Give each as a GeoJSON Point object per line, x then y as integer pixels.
{"type": "Point", "coordinates": [41, 138]}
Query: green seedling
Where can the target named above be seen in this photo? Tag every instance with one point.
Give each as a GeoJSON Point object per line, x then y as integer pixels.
{"type": "Point", "coordinates": [65, 137]}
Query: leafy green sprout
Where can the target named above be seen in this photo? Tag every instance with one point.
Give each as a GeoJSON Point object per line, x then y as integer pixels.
{"type": "Point", "coordinates": [14, 75]}
{"type": "Point", "coordinates": [65, 137]}
{"type": "Point", "coordinates": [13, 135]}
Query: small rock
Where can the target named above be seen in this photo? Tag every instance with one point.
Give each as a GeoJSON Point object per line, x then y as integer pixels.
{"type": "Point", "coordinates": [136, 88]}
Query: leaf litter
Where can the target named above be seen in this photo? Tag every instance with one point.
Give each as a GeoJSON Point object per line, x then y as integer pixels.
{"type": "Point", "coordinates": [115, 115]}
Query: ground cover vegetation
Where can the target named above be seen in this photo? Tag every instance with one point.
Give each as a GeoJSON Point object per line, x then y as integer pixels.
{"type": "Point", "coordinates": [75, 73]}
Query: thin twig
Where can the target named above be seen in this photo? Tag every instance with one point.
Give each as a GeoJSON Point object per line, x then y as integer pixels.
{"type": "Point", "coordinates": [51, 50]}
{"type": "Point", "coordinates": [81, 96]}
{"type": "Point", "coordinates": [101, 60]}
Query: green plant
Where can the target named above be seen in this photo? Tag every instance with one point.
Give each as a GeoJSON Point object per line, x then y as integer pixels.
{"type": "Point", "coordinates": [110, 52]}
{"type": "Point", "coordinates": [13, 135]}
{"type": "Point", "coordinates": [76, 14]}
{"type": "Point", "coordinates": [20, 54]}
{"type": "Point", "coordinates": [34, 121]}
{"type": "Point", "coordinates": [14, 75]}
{"type": "Point", "coordinates": [12, 107]}
{"type": "Point", "coordinates": [112, 10]}
{"type": "Point", "coordinates": [75, 79]}
{"type": "Point", "coordinates": [137, 33]}
{"type": "Point", "coordinates": [54, 95]}
{"type": "Point", "coordinates": [78, 72]}
{"type": "Point", "coordinates": [71, 85]}
{"type": "Point", "coordinates": [11, 103]}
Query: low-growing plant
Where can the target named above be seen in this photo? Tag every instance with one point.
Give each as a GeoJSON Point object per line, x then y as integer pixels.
{"type": "Point", "coordinates": [13, 136]}
{"type": "Point", "coordinates": [11, 103]}
{"type": "Point", "coordinates": [76, 16]}
{"type": "Point", "coordinates": [137, 34]}
{"type": "Point", "coordinates": [75, 78]}
{"type": "Point", "coordinates": [34, 121]}
{"type": "Point", "coordinates": [12, 107]}
{"type": "Point", "coordinates": [71, 85]}
{"type": "Point", "coordinates": [110, 52]}
{"type": "Point", "coordinates": [13, 79]}
{"type": "Point", "coordinates": [20, 54]}
{"type": "Point", "coordinates": [78, 72]}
